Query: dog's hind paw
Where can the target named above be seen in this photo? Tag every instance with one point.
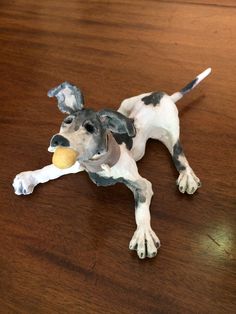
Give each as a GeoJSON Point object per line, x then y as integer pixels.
{"type": "Point", "coordinates": [24, 183]}
{"type": "Point", "coordinates": [188, 182]}
{"type": "Point", "coordinates": [145, 242]}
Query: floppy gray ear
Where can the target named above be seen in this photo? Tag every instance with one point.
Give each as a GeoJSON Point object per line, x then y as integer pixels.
{"type": "Point", "coordinates": [117, 122]}
{"type": "Point", "coordinates": [70, 98]}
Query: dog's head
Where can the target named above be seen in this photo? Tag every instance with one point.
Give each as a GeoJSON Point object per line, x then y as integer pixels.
{"type": "Point", "coordinates": [85, 130]}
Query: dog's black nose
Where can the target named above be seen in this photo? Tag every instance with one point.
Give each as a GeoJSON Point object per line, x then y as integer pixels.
{"type": "Point", "coordinates": [59, 140]}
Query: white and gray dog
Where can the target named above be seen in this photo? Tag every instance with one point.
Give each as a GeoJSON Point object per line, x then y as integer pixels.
{"type": "Point", "coordinates": [110, 142]}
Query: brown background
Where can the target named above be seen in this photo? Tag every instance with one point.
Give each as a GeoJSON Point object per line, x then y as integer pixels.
{"type": "Point", "coordinates": [64, 249]}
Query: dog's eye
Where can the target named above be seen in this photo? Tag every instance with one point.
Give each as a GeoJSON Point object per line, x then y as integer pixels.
{"type": "Point", "coordinates": [68, 120]}
{"type": "Point", "coordinates": [89, 127]}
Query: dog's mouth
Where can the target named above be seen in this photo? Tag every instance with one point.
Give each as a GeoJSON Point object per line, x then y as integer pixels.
{"type": "Point", "coordinates": [62, 156]}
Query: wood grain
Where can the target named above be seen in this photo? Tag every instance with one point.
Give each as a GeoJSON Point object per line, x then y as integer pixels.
{"type": "Point", "coordinates": [64, 249]}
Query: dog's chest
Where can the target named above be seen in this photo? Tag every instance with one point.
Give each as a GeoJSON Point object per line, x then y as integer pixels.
{"type": "Point", "coordinates": [104, 181]}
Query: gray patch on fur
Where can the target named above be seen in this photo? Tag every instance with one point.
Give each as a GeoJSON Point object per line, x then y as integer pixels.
{"type": "Point", "coordinates": [102, 181]}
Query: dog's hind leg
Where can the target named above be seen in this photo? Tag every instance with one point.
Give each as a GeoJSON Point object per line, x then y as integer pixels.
{"type": "Point", "coordinates": [187, 181]}
{"type": "Point", "coordinates": [25, 182]}
{"type": "Point", "coordinates": [167, 131]}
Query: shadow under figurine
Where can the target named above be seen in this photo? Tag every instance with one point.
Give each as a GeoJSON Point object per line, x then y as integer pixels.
{"type": "Point", "coordinates": [106, 144]}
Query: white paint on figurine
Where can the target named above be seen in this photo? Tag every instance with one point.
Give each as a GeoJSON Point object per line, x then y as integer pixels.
{"type": "Point", "coordinates": [25, 182]}
{"type": "Point", "coordinates": [108, 161]}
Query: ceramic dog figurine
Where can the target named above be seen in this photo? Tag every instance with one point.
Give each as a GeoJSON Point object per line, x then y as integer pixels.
{"type": "Point", "coordinates": [110, 142]}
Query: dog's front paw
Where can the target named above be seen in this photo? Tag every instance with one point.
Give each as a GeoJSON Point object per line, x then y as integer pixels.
{"type": "Point", "coordinates": [145, 242]}
{"type": "Point", "coordinates": [188, 182]}
{"type": "Point", "coordinates": [24, 183]}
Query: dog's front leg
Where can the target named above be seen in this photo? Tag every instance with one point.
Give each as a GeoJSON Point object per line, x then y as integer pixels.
{"type": "Point", "coordinates": [25, 182]}
{"type": "Point", "coordinates": [144, 240]}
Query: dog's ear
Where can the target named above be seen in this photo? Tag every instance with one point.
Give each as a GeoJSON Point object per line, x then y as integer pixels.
{"type": "Point", "coordinates": [116, 122]}
{"type": "Point", "coordinates": [70, 98]}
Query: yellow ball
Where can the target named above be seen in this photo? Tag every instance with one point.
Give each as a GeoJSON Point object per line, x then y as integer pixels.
{"type": "Point", "coordinates": [64, 157]}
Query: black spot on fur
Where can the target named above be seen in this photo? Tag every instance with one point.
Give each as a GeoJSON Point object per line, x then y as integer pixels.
{"type": "Point", "coordinates": [153, 99]}
{"type": "Point", "coordinates": [178, 151]}
{"type": "Point", "coordinates": [124, 138]}
{"type": "Point", "coordinates": [117, 122]}
{"type": "Point", "coordinates": [188, 87]}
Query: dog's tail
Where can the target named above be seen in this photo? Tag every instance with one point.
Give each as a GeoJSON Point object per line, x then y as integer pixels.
{"type": "Point", "coordinates": [178, 95]}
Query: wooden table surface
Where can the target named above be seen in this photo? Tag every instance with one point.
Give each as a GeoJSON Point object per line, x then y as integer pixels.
{"type": "Point", "coordinates": [64, 249]}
